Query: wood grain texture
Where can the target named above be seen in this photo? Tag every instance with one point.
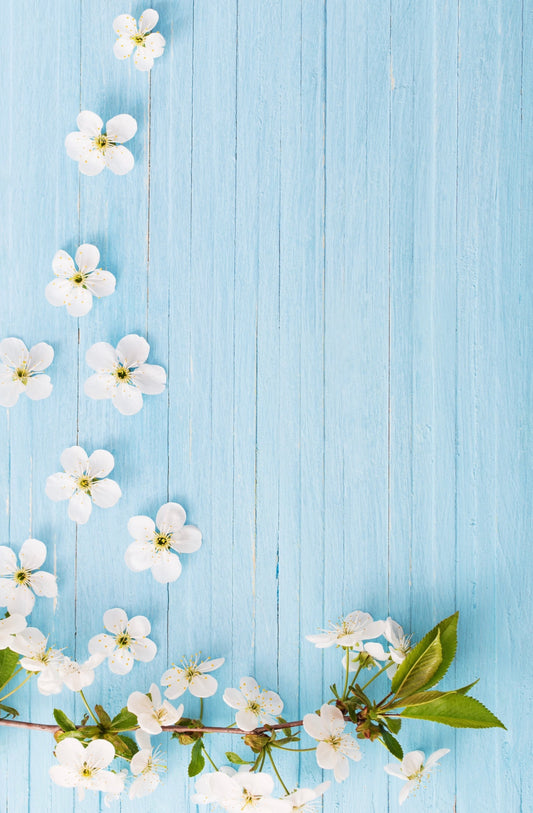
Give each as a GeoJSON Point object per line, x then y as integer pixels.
{"type": "Point", "coordinates": [327, 240]}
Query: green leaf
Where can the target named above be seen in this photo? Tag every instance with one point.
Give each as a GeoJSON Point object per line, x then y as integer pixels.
{"type": "Point", "coordinates": [62, 735]}
{"type": "Point", "coordinates": [131, 745]}
{"type": "Point", "coordinates": [448, 641]}
{"type": "Point", "coordinates": [394, 724]}
{"type": "Point", "coordinates": [421, 698]}
{"type": "Point", "coordinates": [124, 721]}
{"type": "Point", "coordinates": [196, 765]}
{"type": "Point", "coordinates": [234, 758]}
{"type": "Point", "coordinates": [391, 743]}
{"type": "Point", "coordinates": [103, 716]}
{"type": "Point", "coordinates": [420, 666]}
{"type": "Point", "coordinates": [9, 711]}
{"type": "Point", "coordinates": [64, 723]}
{"type": "Point", "coordinates": [8, 664]}
{"type": "Point", "coordinates": [456, 710]}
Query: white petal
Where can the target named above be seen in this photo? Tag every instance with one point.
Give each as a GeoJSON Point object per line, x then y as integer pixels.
{"type": "Point", "coordinates": [9, 392]}
{"type": "Point", "coordinates": [176, 681]}
{"type": "Point", "coordinates": [138, 626]}
{"type": "Point", "coordinates": [170, 714]}
{"type": "Point", "coordinates": [100, 386]}
{"type": "Point", "coordinates": [127, 399]}
{"type": "Point", "coordinates": [271, 703]}
{"type": "Point", "coordinates": [211, 665]}
{"type": "Point", "coordinates": [150, 378]}
{"type": "Point", "coordinates": [44, 584]}
{"type": "Point", "coordinates": [89, 123]}
{"type": "Point", "coordinates": [132, 350]}
{"type": "Point", "coordinates": [322, 639]}
{"type": "Point", "coordinates": [58, 291]}
{"type": "Point", "coordinates": [143, 59]}
{"type": "Point", "coordinates": [115, 620]}
{"type": "Point", "coordinates": [188, 540]}
{"type": "Point", "coordinates": [40, 357]}
{"type": "Point", "coordinates": [38, 387]}
{"type": "Point", "coordinates": [143, 785]}
{"type": "Point", "coordinates": [99, 753]}
{"type": "Point", "coordinates": [105, 493]}
{"type": "Point", "coordinates": [234, 698]}
{"type": "Point", "coordinates": [141, 528]}
{"type": "Point", "coordinates": [170, 517]}
{"type": "Point", "coordinates": [155, 44]}
{"type": "Point", "coordinates": [14, 353]}
{"type": "Point", "coordinates": [315, 727]}
{"type": "Point", "coordinates": [123, 47]}
{"type": "Point", "coordinates": [60, 486]}
{"type": "Point", "coordinates": [70, 752]}
{"type": "Point", "coordinates": [74, 460]}
{"type": "Point", "coordinates": [32, 554]}
{"type": "Point", "coordinates": [246, 720]}
{"type": "Point", "coordinates": [119, 159]}
{"type": "Point", "coordinates": [91, 162]}
{"type": "Point", "coordinates": [21, 601]}
{"type": "Point", "coordinates": [7, 598]}
{"type": "Point", "coordinates": [148, 20]}
{"type": "Point", "coordinates": [406, 790]}
{"type": "Point", "coordinates": [87, 257]}
{"type": "Point", "coordinates": [250, 688]}
{"type": "Point", "coordinates": [326, 756]}
{"type": "Point", "coordinates": [143, 650]}
{"type": "Point", "coordinates": [412, 762]}
{"type": "Point", "coordinates": [101, 283]}
{"type": "Point", "coordinates": [78, 146]}
{"type": "Point", "coordinates": [166, 567]}
{"type": "Point", "coordinates": [121, 662]}
{"type": "Point", "coordinates": [80, 507]}
{"type": "Point", "coordinates": [203, 686]}
{"type": "Point", "coordinates": [102, 645]}
{"type": "Point", "coordinates": [435, 756]}
{"type": "Point", "coordinates": [139, 703]}
{"type": "Point", "coordinates": [79, 301]}
{"type": "Point", "coordinates": [394, 769]}
{"type": "Point", "coordinates": [100, 463]}
{"type": "Point", "coordinates": [63, 264]}
{"type": "Point", "coordinates": [125, 25]}
{"type": "Point", "coordinates": [342, 768]}
{"type": "Point", "coordinates": [139, 556]}
{"type": "Point", "coordinates": [8, 561]}
{"type": "Point", "coordinates": [64, 776]}
{"type": "Point", "coordinates": [121, 128]}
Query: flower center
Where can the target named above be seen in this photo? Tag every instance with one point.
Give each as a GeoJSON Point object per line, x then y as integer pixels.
{"type": "Point", "coordinates": [101, 142]}
{"type": "Point", "coordinates": [77, 279]}
{"type": "Point", "coordinates": [84, 484]}
{"type": "Point", "coordinates": [249, 798]}
{"type": "Point", "coordinates": [138, 39]}
{"type": "Point", "coordinates": [334, 742]}
{"type": "Point", "coordinates": [162, 541]}
{"type": "Point", "coordinates": [122, 374]}
{"type": "Point", "coordinates": [86, 772]}
{"type": "Point", "coordinates": [123, 640]}
{"type": "Point", "coordinates": [254, 707]}
{"type": "Point", "coordinates": [21, 374]}
{"type": "Point", "coordinates": [22, 576]}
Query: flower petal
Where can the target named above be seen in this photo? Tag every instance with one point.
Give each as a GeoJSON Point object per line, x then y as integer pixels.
{"type": "Point", "coordinates": [412, 762]}
{"type": "Point", "coordinates": [38, 387]}
{"type": "Point", "coordinates": [132, 350]}
{"type": "Point", "coordinates": [203, 686]}
{"type": "Point", "coordinates": [234, 698]}
{"type": "Point", "coordinates": [326, 756]}
{"type": "Point", "coordinates": [100, 386]}
{"type": "Point", "coordinates": [58, 291]}
{"type": "Point", "coordinates": [176, 681]}
{"type": "Point", "coordinates": [119, 160]}
{"type": "Point", "coordinates": [70, 752]}
{"type": "Point", "coordinates": [125, 25]}
{"type": "Point", "coordinates": [127, 399]}
{"type": "Point", "coordinates": [170, 517]}
{"type": "Point", "coordinates": [246, 720]}
{"type": "Point", "coordinates": [79, 301]}
{"type": "Point", "coordinates": [14, 353]}
{"type": "Point", "coordinates": [8, 561]}
{"type": "Point", "coordinates": [100, 463]}
{"type": "Point", "coordinates": [32, 554]}
{"type": "Point", "coordinates": [143, 59]}
{"type": "Point", "coordinates": [115, 620]}
{"type": "Point", "coordinates": [60, 486]}
{"type": "Point", "coordinates": [80, 507]}
{"type": "Point", "coordinates": [78, 146]}
{"type": "Point", "coordinates": [139, 703]}
{"type": "Point", "coordinates": [74, 460]}
{"type": "Point", "coordinates": [101, 283]}
{"type": "Point", "coordinates": [148, 20]}
{"type": "Point", "coordinates": [99, 753]}
{"type": "Point", "coordinates": [123, 47]}
{"type": "Point", "coordinates": [315, 727]}
{"type": "Point", "coordinates": [143, 650]}
{"type": "Point", "coordinates": [141, 528]}
{"type": "Point", "coordinates": [155, 44]}
{"type": "Point", "coordinates": [210, 665]}
{"type": "Point", "coordinates": [121, 662]}
{"type": "Point", "coordinates": [44, 584]}
{"type": "Point", "coordinates": [9, 391]}
{"type": "Point", "coordinates": [105, 493]}
{"type": "Point", "coordinates": [40, 357]}
{"type": "Point", "coordinates": [63, 264]}
{"type": "Point", "coordinates": [271, 703]}
{"type": "Point", "coordinates": [102, 644]}
{"type": "Point", "coordinates": [21, 601]}
{"type": "Point", "coordinates": [150, 378]}
{"type": "Point", "coordinates": [188, 540]}
{"type": "Point", "coordinates": [166, 567]}
{"type": "Point", "coordinates": [87, 257]}
{"type": "Point", "coordinates": [120, 129]}
{"type": "Point", "coordinates": [250, 688]}
{"type": "Point", "coordinates": [91, 162]}
{"type": "Point", "coordinates": [139, 556]}
{"type": "Point", "coordinates": [7, 597]}
{"type": "Point", "coordinates": [138, 626]}
{"type": "Point", "coordinates": [102, 357]}
{"type": "Point", "coordinates": [89, 123]}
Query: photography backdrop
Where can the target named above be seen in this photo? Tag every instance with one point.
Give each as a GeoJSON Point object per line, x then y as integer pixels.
{"type": "Point", "coordinates": [327, 240]}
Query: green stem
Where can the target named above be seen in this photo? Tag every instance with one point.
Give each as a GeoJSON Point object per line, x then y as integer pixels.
{"type": "Point", "coordinates": [271, 758]}
{"type": "Point", "coordinates": [201, 708]}
{"type": "Point", "coordinates": [347, 676]}
{"type": "Point", "coordinates": [383, 669]}
{"type": "Point", "coordinates": [204, 749]}
{"type": "Point", "coordinates": [89, 709]}
{"type": "Point", "coordinates": [295, 750]}
{"type": "Point", "coordinates": [28, 676]}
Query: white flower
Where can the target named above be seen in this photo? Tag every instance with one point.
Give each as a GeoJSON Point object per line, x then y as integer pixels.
{"type": "Point", "coordinates": [192, 676]}
{"type": "Point", "coordinates": [84, 768]}
{"type": "Point", "coordinates": [122, 374]}
{"type": "Point", "coordinates": [254, 706]}
{"type": "Point", "coordinates": [109, 798]}
{"type": "Point", "coordinates": [127, 644]}
{"type": "Point", "coordinates": [21, 371]}
{"type": "Point", "coordinates": [303, 799]}
{"type": "Point", "coordinates": [9, 627]}
{"type": "Point", "coordinates": [146, 765]}
{"type": "Point", "coordinates": [83, 482]}
{"type": "Point", "coordinates": [37, 657]}
{"type": "Point", "coordinates": [334, 748]}
{"type": "Point", "coordinates": [401, 644]}
{"type": "Point", "coordinates": [157, 544]}
{"type": "Point", "coordinates": [76, 676]}
{"type": "Point", "coordinates": [374, 652]}
{"type": "Point", "coordinates": [148, 46]}
{"type": "Point", "coordinates": [243, 791]}
{"type": "Point", "coordinates": [151, 713]}
{"type": "Point", "coordinates": [75, 287]}
{"type": "Point", "coordinates": [94, 150]}
{"type": "Point", "coordinates": [414, 768]}
{"type": "Point", "coordinates": [17, 591]}
{"type": "Point", "coordinates": [349, 632]}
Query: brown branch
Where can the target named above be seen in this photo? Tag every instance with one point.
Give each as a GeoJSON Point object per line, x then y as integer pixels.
{"type": "Point", "coordinates": [172, 728]}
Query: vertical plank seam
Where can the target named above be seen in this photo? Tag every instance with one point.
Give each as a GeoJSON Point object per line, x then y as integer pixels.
{"type": "Point", "coordinates": [234, 325]}
{"type": "Point", "coordinates": [456, 439]}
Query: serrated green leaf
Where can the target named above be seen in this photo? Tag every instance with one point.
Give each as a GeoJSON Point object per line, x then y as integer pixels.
{"type": "Point", "coordinates": [394, 724]}
{"type": "Point", "coordinates": [448, 641]}
{"type": "Point", "coordinates": [91, 732]}
{"type": "Point", "coordinates": [64, 723]}
{"type": "Point", "coordinates": [124, 721]}
{"type": "Point", "coordinates": [456, 710]}
{"type": "Point", "coordinates": [130, 744]}
{"type": "Point", "coordinates": [420, 698]}
{"type": "Point", "coordinates": [8, 665]}
{"type": "Point", "coordinates": [235, 759]}
{"type": "Point", "coordinates": [420, 668]}
{"type": "Point", "coordinates": [197, 763]}
{"type": "Point", "coordinates": [103, 716]}
{"type": "Point", "coordinates": [391, 743]}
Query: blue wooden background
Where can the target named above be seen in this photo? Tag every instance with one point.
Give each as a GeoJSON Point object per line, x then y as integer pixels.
{"type": "Point", "coordinates": [327, 239]}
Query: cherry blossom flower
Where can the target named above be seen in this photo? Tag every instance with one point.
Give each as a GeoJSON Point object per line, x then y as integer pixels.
{"type": "Point", "coordinates": [414, 768]}
{"type": "Point", "coordinates": [9, 627]}
{"type": "Point", "coordinates": [21, 370]}
{"type": "Point", "coordinates": [130, 36]}
{"type": "Point", "coordinates": [24, 579]}
{"type": "Point", "coordinates": [122, 374]}
{"type": "Point", "coordinates": [334, 748]}
{"type": "Point", "coordinates": [366, 655]}
{"type": "Point", "coordinates": [146, 765]}
{"type": "Point", "coordinates": [254, 706]}
{"type": "Point", "coordinates": [85, 768]}
{"type": "Point", "coordinates": [94, 150]}
{"type": "Point", "coordinates": [128, 643]}
{"type": "Point", "coordinates": [242, 791]}
{"type": "Point", "coordinates": [76, 676]}
{"type": "Point", "coordinates": [157, 544]}
{"type": "Point", "coordinates": [305, 800]}
{"type": "Point", "coordinates": [37, 657]}
{"type": "Point", "coordinates": [400, 644]}
{"type": "Point", "coordinates": [83, 482]}
{"type": "Point", "coordinates": [75, 287]}
{"type": "Point", "coordinates": [192, 676]}
{"type": "Point", "coordinates": [151, 713]}
{"type": "Point", "coordinates": [349, 632]}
